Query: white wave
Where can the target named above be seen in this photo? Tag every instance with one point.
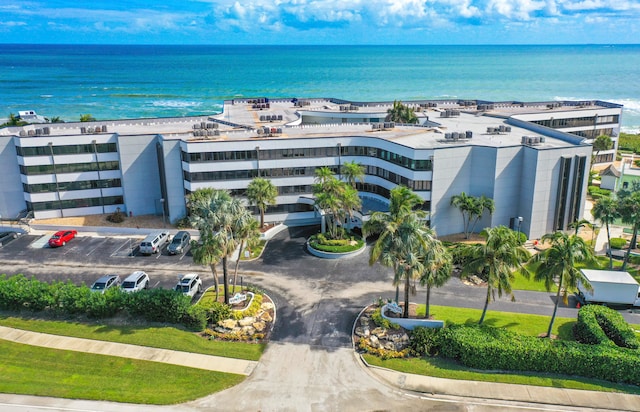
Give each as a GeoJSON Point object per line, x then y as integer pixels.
{"type": "Point", "coordinates": [175, 103]}
{"type": "Point", "coordinates": [46, 96]}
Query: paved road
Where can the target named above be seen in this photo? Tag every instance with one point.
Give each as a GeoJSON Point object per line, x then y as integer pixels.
{"type": "Point", "coordinates": [310, 365]}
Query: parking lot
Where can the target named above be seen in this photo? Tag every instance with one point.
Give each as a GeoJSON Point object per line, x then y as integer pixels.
{"type": "Point", "coordinates": [88, 256]}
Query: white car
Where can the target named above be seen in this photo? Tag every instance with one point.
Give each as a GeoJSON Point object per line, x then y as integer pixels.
{"type": "Point", "coordinates": [135, 282]}
{"type": "Point", "coordinates": [189, 284]}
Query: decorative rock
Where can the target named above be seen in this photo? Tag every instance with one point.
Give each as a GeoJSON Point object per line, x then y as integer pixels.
{"type": "Point", "coordinates": [364, 321]}
{"type": "Point", "coordinates": [379, 332]}
{"type": "Point", "coordinates": [364, 332]}
{"type": "Point", "coordinates": [405, 338]}
{"type": "Point", "coordinates": [266, 306]}
{"type": "Point", "coordinates": [220, 329]}
{"type": "Point", "coordinates": [265, 317]}
{"type": "Point", "coordinates": [259, 326]}
{"type": "Point", "coordinates": [390, 346]}
{"type": "Point", "coordinates": [247, 321]}
{"type": "Point", "coordinates": [228, 323]}
{"type": "Point", "coordinates": [373, 340]}
{"type": "Point", "coordinates": [248, 330]}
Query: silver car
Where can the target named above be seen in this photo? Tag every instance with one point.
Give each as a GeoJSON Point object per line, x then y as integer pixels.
{"type": "Point", "coordinates": [179, 243]}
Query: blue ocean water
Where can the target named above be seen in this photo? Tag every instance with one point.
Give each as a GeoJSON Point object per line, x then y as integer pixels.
{"type": "Point", "coordinates": [113, 82]}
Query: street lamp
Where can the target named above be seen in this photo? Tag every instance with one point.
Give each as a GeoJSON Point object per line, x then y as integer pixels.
{"type": "Point", "coordinates": [164, 224]}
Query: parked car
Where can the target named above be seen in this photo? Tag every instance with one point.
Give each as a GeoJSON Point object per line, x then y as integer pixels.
{"type": "Point", "coordinates": [153, 243]}
{"type": "Point", "coordinates": [189, 284]}
{"type": "Point", "coordinates": [135, 282]}
{"type": "Point", "coordinates": [105, 282]}
{"type": "Point", "coordinates": [61, 237]}
{"type": "Point", "coordinates": [179, 243]}
{"type": "Point", "coordinates": [6, 237]}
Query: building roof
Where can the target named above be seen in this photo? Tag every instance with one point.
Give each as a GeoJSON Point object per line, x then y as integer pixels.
{"type": "Point", "coordinates": [610, 171]}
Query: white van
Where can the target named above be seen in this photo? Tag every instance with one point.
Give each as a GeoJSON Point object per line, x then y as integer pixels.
{"type": "Point", "coordinates": [154, 243]}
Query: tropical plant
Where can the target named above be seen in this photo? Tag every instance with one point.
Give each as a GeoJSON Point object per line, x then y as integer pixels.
{"type": "Point", "coordinates": [403, 238]}
{"type": "Point", "coordinates": [87, 118]}
{"type": "Point", "coordinates": [219, 219]}
{"type": "Point", "coordinates": [337, 199]}
{"type": "Point", "coordinates": [14, 120]}
{"type": "Point", "coordinates": [401, 113]}
{"type": "Point", "coordinates": [576, 225]}
{"type": "Point", "coordinates": [437, 265]}
{"type": "Point", "coordinates": [602, 142]}
{"type": "Point", "coordinates": [606, 211]}
{"type": "Point", "coordinates": [496, 259]}
{"type": "Point", "coordinates": [248, 232]}
{"type": "Point", "coordinates": [206, 251]}
{"type": "Point", "coordinates": [352, 172]}
{"type": "Point", "coordinates": [629, 208]}
{"type": "Point", "coordinates": [262, 193]}
{"type": "Point", "coordinates": [472, 208]}
{"type": "Point", "coordinates": [558, 263]}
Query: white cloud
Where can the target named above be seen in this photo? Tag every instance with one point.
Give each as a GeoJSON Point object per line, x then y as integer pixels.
{"type": "Point", "coordinates": [515, 9]}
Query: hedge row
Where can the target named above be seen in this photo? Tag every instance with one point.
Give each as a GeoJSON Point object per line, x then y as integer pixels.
{"type": "Point", "coordinates": [320, 242]}
{"type": "Point", "coordinates": [155, 305]}
{"type": "Point", "coordinates": [483, 347]}
{"type": "Point", "coordinates": [597, 324]}
{"type": "Point", "coordinates": [618, 242]}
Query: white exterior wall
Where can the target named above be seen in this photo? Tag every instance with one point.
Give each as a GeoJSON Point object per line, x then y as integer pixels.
{"type": "Point", "coordinates": [140, 174]}
{"type": "Point", "coordinates": [12, 195]}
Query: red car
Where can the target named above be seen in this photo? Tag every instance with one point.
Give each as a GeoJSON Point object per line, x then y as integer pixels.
{"type": "Point", "coordinates": [61, 237]}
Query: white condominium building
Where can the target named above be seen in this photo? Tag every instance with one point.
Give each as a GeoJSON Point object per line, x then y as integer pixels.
{"type": "Point", "coordinates": [532, 159]}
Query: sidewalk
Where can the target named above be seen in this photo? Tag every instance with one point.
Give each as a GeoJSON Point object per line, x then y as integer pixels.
{"type": "Point", "coordinates": [123, 350]}
{"type": "Point", "coordinates": [572, 399]}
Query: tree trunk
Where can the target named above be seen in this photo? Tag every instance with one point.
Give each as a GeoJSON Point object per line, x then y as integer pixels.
{"type": "Point", "coordinates": [407, 285]}
{"type": "Point", "coordinates": [555, 309]}
{"type": "Point", "coordinates": [609, 246]}
{"type": "Point", "coordinates": [426, 309]}
{"type": "Point", "coordinates": [235, 273]}
{"type": "Point", "coordinates": [225, 277]}
{"type": "Point", "coordinates": [631, 246]}
{"type": "Point", "coordinates": [486, 305]}
{"type": "Point", "coordinates": [216, 281]}
{"type": "Point", "coordinates": [261, 218]}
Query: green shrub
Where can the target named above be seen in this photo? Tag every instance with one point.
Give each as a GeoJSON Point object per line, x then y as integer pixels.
{"type": "Point", "coordinates": [107, 304]}
{"type": "Point", "coordinates": [381, 322]}
{"type": "Point", "coordinates": [218, 311]}
{"type": "Point", "coordinates": [610, 323]}
{"type": "Point", "coordinates": [483, 347]}
{"type": "Point", "coordinates": [424, 341]}
{"type": "Point", "coordinates": [117, 216]}
{"type": "Point", "coordinates": [618, 243]}
{"type": "Point", "coordinates": [252, 310]}
{"type": "Point", "coordinates": [195, 318]}
{"type": "Point", "coordinates": [69, 298]}
{"type": "Point", "coordinates": [587, 330]}
{"type": "Point", "coordinates": [348, 244]}
{"type": "Point", "coordinates": [158, 305]}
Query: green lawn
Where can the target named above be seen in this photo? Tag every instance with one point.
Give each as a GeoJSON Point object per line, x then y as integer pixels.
{"type": "Point", "coordinates": [32, 370]}
{"type": "Point", "coordinates": [164, 337]}
{"type": "Point", "coordinates": [443, 368]}
{"type": "Point", "coordinates": [526, 324]}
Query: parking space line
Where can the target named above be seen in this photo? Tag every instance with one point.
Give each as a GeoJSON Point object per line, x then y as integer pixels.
{"type": "Point", "coordinates": [95, 248]}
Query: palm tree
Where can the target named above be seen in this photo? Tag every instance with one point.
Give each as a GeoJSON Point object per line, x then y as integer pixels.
{"type": "Point", "coordinates": [217, 216]}
{"type": "Point", "coordinates": [401, 113]}
{"type": "Point", "coordinates": [606, 211]}
{"type": "Point", "coordinates": [579, 224]}
{"type": "Point", "coordinates": [602, 142]}
{"type": "Point", "coordinates": [559, 262]}
{"type": "Point", "coordinates": [248, 232]}
{"type": "Point", "coordinates": [437, 265]}
{"type": "Point", "coordinates": [262, 193]}
{"type": "Point", "coordinates": [336, 198]}
{"type": "Point", "coordinates": [629, 207]}
{"type": "Point", "coordinates": [403, 237]}
{"type": "Point", "coordinates": [206, 251]}
{"type": "Point", "coordinates": [87, 118]}
{"type": "Point", "coordinates": [472, 208]}
{"type": "Point", "coordinates": [353, 172]}
{"type": "Point", "coordinates": [496, 258]}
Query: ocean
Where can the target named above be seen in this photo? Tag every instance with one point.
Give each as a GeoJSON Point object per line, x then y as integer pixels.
{"type": "Point", "coordinates": [115, 82]}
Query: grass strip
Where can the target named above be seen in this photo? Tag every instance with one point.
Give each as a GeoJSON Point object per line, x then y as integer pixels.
{"type": "Point", "coordinates": [32, 370]}
{"type": "Point", "coordinates": [163, 337]}
{"type": "Point", "coordinates": [444, 368]}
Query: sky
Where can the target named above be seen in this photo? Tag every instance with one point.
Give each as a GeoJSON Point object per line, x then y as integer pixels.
{"type": "Point", "coordinates": [320, 22]}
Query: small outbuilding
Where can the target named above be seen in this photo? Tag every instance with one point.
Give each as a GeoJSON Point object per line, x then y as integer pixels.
{"type": "Point", "coordinates": [609, 178]}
